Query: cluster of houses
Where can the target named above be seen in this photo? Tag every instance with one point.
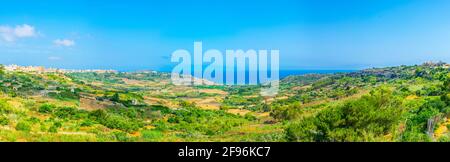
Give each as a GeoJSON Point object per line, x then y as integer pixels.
{"type": "Point", "coordinates": [41, 69]}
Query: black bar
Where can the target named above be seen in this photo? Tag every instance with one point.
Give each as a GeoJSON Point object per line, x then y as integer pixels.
{"type": "Point", "coordinates": [278, 151]}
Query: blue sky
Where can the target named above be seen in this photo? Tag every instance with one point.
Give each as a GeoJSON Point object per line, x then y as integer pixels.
{"type": "Point", "coordinates": [310, 34]}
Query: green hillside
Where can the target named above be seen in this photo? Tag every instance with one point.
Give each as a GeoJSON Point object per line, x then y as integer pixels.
{"type": "Point", "coordinates": [404, 103]}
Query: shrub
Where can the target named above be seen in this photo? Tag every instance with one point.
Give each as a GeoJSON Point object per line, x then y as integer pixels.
{"type": "Point", "coordinates": [4, 120]}
{"type": "Point", "coordinates": [302, 131]}
{"type": "Point", "coordinates": [365, 119]}
{"type": "Point", "coordinates": [23, 126]}
{"type": "Point", "coordinates": [46, 108]}
{"type": "Point", "coordinates": [87, 123]}
{"type": "Point", "coordinates": [207, 122]}
{"type": "Point", "coordinates": [5, 108]}
{"type": "Point", "coordinates": [64, 94]}
{"type": "Point", "coordinates": [160, 125]}
{"type": "Point", "coordinates": [225, 107]}
{"type": "Point", "coordinates": [429, 109]}
{"type": "Point", "coordinates": [97, 114]}
{"type": "Point", "coordinates": [115, 121]}
{"type": "Point", "coordinates": [54, 128]}
{"type": "Point", "coordinates": [65, 112]}
{"type": "Point", "coordinates": [250, 117]}
{"type": "Point", "coordinates": [121, 136]}
{"type": "Point", "coordinates": [151, 134]}
{"type": "Point", "coordinates": [162, 109]}
{"type": "Point", "coordinates": [33, 120]}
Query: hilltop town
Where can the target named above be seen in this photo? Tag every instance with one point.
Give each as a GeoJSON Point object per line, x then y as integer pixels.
{"type": "Point", "coordinates": [41, 69]}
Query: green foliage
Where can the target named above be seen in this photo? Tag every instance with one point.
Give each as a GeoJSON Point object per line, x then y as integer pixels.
{"type": "Point", "coordinates": [2, 72]}
{"type": "Point", "coordinates": [87, 123]}
{"type": "Point", "coordinates": [446, 85]}
{"type": "Point", "coordinates": [64, 95]}
{"type": "Point", "coordinates": [46, 108]}
{"type": "Point", "coordinates": [33, 120]}
{"type": "Point", "coordinates": [5, 108]}
{"type": "Point", "coordinates": [312, 107]}
{"type": "Point", "coordinates": [152, 134]}
{"type": "Point", "coordinates": [415, 136]}
{"type": "Point", "coordinates": [110, 78]}
{"type": "Point", "coordinates": [322, 83]}
{"type": "Point", "coordinates": [250, 117]}
{"type": "Point", "coordinates": [149, 112]}
{"type": "Point", "coordinates": [266, 108]}
{"type": "Point", "coordinates": [23, 126]}
{"type": "Point", "coordinates": [126, 98]}
{"type": "Point", "coordinates": [115, 121]}
{"type": "Point", "coordinates": [206, 122]}
{"type": "Point", "coordinates": [69, 113]}
{"type": "Point", "coordinates": [186, 104]}
{"type": "Point", "coordinates": [20, 84]}
{"type": "Point", "coordinates": [364, 119]}
{"type": "Point", "coordinates": [4, 120]}
{"type": "Point", "coordinates": [416, 124]}
{"type": "Point", "coordinates": [55, 126]}
{"type": "Point", "coordinates": [115, 97]}
{"type": "Point", "coordinates": [286, 112]}
{"type": "Point", "coordinates": [121, 136]}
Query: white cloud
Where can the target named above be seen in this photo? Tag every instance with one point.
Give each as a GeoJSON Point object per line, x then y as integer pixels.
{"type": "Point", "coordinates": [11, 34]}
{"type": "Point", "coordinates": [24, 31]}
{"type": "Point", "coordinates": [64, 42]}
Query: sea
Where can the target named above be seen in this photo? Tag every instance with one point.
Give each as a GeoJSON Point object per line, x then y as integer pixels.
{"type": "Point", "coordinates": [286, 73]}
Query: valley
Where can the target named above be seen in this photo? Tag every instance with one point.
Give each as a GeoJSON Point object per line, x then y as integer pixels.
{"type": "Point", "coordinates": [378, 104]}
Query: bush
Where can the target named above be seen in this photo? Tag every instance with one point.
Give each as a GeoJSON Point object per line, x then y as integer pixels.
{"type": "Point", "coordinates": [151, 134]}
{"type": "Point", "coordinates": [417, 123]}
{"type": "Point", "coordinates": [4, 120]}
{"type": "Point", "coordinates": [64, 94]}
{"type": "Point", "coordinates": [207, 122]}
{"type": "Point", "coordinates": [302, 131]}
{"type": "Point", "coordinates": [121, 123]}
{"type": "Point", "coordinates": [87, 123]}
{"type": "Point", "coordinates": [250, 117]}
{"type": "Point", "coordinates": [97, 114]}
{"type": "Point", "coordinates": [23, 126]}
{"type": "Point", "coordinates": [66, 113]}
{"type": "Point", "coordinates": [33, 120]}
{"type": "Point", "coordinates": [5, 108]}
{"type": "Point", "coordinates": [287, 112]}
{"type": "Point", "coordinates": [365, 119]}
{"type": "Point", "coordinates": [54, 128]}
{"type": "Point", "coordinates": [115, 121]}
{"type": "Point", "coordinates": [121, 136]}
{"type": "Point", "coordinates": [46, 108]}
{"type": "Point", "coordinates": [160, 125]}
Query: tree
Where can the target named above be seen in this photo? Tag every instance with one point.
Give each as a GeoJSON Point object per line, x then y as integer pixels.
{"type": "Point", "coordinates": [115, 97]}
{"type": "Point", "coordinates": [266, 107]}
{"type": "Point", "coordinates": [446, 89]}
{"type": "Point", "coordinates": [369, 118]}
{"type": "Point", "coordinates": [419, 72]}
{"type": "Point", "coordinates": [2, 71]}
{"type": "Point", "coordinates": [23, 126]}
{"type": "Point", "coordinates": [446, 86]}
